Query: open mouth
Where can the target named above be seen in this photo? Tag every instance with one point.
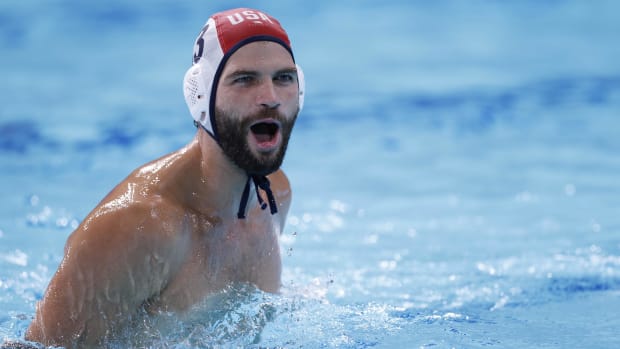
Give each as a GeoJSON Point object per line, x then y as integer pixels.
{"type": "Point", "coordinates": [266, 133]}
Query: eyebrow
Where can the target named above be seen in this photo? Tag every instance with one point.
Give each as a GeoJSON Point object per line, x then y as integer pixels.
{"type": "Point", "coordinates": [288, 70]}
{"type": "Point", "coordinates": [241, 72]}
{"type": "Point", "coordinates": [245, 72]}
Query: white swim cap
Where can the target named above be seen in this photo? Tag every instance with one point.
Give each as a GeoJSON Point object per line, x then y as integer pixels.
{"type": "Point", "coordinates": [223, 34]}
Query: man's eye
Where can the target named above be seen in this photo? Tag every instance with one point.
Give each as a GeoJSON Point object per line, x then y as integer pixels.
{"type": "Point", "coordinates": [244, 79]}
{"type": "Point", "coordinates": [284, 78]}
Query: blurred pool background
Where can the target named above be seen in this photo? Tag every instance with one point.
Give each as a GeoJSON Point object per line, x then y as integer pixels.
{"type": "Point", "coordinates": [455, 170]}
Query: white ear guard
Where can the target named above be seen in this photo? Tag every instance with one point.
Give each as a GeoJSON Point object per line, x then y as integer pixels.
{"type": "Point", "coordinates": [197, 96]}
{"type": "Point", "coordinates": [301, 81]}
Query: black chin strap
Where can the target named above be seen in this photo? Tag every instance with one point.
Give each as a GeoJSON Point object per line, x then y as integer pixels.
{"type": "Point", "coordinates": [259, 182]}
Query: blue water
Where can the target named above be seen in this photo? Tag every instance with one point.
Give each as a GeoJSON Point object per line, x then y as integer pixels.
{"type": "Point", "coordinates": [455, 171]}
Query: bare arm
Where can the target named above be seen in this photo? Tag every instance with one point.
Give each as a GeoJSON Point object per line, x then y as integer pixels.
{"type": "Point", "coordinates": [120, 256]}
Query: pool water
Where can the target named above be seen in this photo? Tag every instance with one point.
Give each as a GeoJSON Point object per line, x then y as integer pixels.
{"type": "Point", "coordinates": [455, 170]}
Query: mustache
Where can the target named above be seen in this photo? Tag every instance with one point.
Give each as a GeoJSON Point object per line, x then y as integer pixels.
{"type": "Point", "coordinates": [265, 114]}
{"type": "Point", "coordinates": [248, 119]}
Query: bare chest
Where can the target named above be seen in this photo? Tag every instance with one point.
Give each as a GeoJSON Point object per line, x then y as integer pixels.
{"type": "Point", "coordinates": [223, 255]}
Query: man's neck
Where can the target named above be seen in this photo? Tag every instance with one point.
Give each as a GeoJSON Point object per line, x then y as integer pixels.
{"type": "Point", "coordinates": [221, 182]}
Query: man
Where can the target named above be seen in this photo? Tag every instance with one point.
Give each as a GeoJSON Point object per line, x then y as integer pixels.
{"type": "Point", "coordinates": [194, 221]}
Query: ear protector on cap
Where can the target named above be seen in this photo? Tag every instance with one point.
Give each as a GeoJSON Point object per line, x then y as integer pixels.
{"type": "Point", "coordinates": [195, 93]}
{"type": "Point", "coordinates": [302, 86]}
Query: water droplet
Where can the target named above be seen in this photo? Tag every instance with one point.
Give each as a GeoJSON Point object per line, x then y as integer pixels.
{"type": "Point", "coordinates": [306, 218]}
{"type": "Point", "coordinates": [338, 206]}
{"type": "Point", "coordinates": [371, 239]}
{"type": "Point", "coordinates": [570, 190]}
{"type": "Point", "coordinates": [17, 257]}
{"type": "Point", "coordinates": [34, 200]}
{"type": "Point", "coordinates": [62, 222]}
{"type": "Point", "coordinates": [412, 232]}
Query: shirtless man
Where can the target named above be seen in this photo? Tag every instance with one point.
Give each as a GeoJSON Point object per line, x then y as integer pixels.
{"type": "Point", "coordinates": [194, 221]}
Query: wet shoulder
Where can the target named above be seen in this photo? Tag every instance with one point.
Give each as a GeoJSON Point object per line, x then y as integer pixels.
{"type": "Point", "coordinates": [141, 206]}
{"type": "Point", "coordinates": [280, 185]}
{"type": "Point", "coordinates": [282, 190]}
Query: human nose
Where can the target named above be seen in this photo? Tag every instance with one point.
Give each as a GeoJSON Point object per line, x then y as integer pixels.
{"type": "Point", "coordinates": [267, 96]}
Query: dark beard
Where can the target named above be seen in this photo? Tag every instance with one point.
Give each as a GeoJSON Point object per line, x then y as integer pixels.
{"type": "Point", "coordinates": [232, 136]}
